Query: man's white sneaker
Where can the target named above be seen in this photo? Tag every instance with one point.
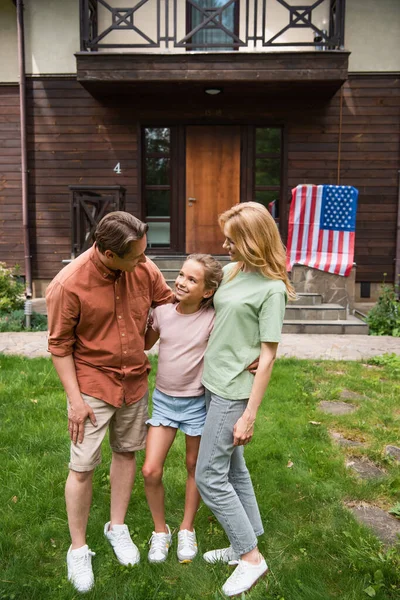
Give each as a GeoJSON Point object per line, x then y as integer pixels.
{"type": "Point", "coordinates": [124, 549]}
{"type": "Point", "coordinates": [80, 573]}
{"type": "Point", "coordinates": [159, 546]}
{"type": "Point", "coordinates": [226, 555]}
{"type": "Point", "coordinates": [244, 577]}
{"type": "Point", "coordinates": [187, 545]}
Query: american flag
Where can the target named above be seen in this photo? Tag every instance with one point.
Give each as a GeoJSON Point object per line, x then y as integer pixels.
{"type": "Point", "coordinates": [322, 224]}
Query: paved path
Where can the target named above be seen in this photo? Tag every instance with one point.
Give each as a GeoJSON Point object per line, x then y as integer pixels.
{"type": "Point", "coordinates": [328, 347]}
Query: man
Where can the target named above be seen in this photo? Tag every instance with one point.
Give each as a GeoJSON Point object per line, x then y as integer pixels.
{"type": "Point", "coordinates": [97, 310]}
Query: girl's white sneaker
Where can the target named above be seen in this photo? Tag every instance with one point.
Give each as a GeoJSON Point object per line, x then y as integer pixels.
{"type": "Point", "coordinates": [187, 545]}
{"type": "Point", "coordinates": [225, 555]}
{"type": "Point", "coordinates": [80, 573]}
{"type": "Point", "coordinates": [159, 546]}
{"type": "Point", "coordinates": [244, 577]}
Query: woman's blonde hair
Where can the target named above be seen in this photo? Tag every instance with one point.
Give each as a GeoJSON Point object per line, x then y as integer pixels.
{"type": "Point", "coordinates": [254, 232]}
{"type": "Point", "coordinates": [212, 275]}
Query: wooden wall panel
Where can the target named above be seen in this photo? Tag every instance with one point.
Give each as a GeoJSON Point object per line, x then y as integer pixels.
{"type": "Point", "coordinates": [369, 138]}
{"type": "Point", "coordinates": [73, 139]}
{"type": "Point", "coordinates": [76, 138]}
{"type": "Point", "coordinates": [11, 241]}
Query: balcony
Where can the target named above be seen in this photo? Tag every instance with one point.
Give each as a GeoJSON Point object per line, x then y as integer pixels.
{"type": "Point", "coordinates": [251, 41]}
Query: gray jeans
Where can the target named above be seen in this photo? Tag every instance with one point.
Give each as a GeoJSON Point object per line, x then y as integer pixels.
{"type": "Point", "coordinates": [222, 476]}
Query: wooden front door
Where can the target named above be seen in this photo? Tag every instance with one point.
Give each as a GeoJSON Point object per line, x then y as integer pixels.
{"type": "Point", "coordinates": [212, 183]}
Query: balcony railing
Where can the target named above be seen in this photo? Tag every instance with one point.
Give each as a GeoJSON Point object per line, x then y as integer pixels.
{"type": "Point", "coordinates": [211, 25]}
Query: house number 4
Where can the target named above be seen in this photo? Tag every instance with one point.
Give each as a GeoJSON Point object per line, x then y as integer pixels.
{"type": "Point", "coordinates": [117, 168]}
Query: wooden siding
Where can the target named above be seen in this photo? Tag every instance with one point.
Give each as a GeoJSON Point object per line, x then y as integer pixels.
{"type": "Point", "coordinates": [11, 240]}
{"type": "Point", "coordinates": [369, 138]}
{"type": "Point", "coordinates": [75, 138]}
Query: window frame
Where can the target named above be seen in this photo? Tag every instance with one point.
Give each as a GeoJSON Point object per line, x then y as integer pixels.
{"type": "Point", "coordinates": [273, 156]}
{"type": "Point", "coordinates": [176, 186]}
{"type": "Point", "coordinates": [248, 169]}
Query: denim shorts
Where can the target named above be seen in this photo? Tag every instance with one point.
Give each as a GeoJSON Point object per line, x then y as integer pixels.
{"type": "Point", "coordinates": [185, 413]}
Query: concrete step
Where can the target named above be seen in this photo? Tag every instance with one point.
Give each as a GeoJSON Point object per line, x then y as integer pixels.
{"type": "Point", "coordinates": [168, 262]}
{"type": "Point", "coordinates": [317, 312]}
{"type": "Point", "coordinates": [174, 263]}
{"type": "Point", "coordinates": [351, 325]}
{"type": "Point", "coordinates": [171, 273]}
{"type": "Point", "coordinates": [307, 298]}
{"type": "Point", "coordinates": [171, 265]}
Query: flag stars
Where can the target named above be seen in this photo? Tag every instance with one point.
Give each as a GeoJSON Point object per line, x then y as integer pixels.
{"type": "Point", "coordinates": [338, 212]}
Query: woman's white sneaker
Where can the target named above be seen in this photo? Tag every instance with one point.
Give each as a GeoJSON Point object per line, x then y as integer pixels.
{"type": "Point", "coordinates": [187, 545]}
{"type": "Point", "coordinates": [79, 564]}
{"type": "Point", "coordinates": [159, 546]}
{"type": "Point", "coordinates": [244, 577]}
{"type": "Point", "coordinates": [226, 555]}
{"type": "Point", "coordinates": [125, 550]}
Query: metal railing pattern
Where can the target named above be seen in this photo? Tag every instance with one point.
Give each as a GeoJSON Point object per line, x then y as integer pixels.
{"type": "Point", "coordinates": [167, 15]}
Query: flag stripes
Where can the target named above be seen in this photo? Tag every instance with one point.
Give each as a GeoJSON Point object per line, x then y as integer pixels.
{"type": "Point", "coordinates": [329, 246]}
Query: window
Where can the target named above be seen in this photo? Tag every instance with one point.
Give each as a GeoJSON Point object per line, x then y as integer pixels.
{"type": "Point", "coordinates": [267, 168]}
{"type": "Point", "coordinates": [157, 185]}
{"type": "Point", "coordinates": [212, 36]}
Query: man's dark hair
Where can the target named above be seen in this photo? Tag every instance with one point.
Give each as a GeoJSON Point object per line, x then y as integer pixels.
{"type": "Point", "coordinates": [117, 230]}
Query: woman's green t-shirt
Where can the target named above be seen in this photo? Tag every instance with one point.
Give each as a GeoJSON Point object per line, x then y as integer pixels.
{"type": "Point", "coordinates": [249, 310]}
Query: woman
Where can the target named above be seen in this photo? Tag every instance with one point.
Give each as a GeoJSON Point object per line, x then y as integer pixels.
{"type": "Point", "coordinates": [250, 306]}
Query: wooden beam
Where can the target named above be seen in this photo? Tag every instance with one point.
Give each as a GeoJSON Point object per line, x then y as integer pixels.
{"type": "Point", "coordinates": [238, 67]}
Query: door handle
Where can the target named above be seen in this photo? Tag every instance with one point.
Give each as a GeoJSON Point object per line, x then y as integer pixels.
{"type": "Point", "coordinates": [191, 200]}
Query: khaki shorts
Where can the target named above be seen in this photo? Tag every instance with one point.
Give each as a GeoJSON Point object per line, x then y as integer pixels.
{"type": "Point", "coordinates": [127, 426]}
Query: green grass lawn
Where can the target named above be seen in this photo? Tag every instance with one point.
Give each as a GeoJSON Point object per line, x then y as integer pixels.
{"type": "Point", "coordinates": [314, 547]}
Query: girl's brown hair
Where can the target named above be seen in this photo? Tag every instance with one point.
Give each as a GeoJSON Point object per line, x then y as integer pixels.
{"type": "Point", "coordinates": [212, 275]}
{"type": "Point", "coordinates": [254, 232]}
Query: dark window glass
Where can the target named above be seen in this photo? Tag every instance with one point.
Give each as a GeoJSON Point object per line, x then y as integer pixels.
{"type": "Point", "coordinates": [157, 185]}
{"type": "Point", "coordinates": [157, 171]}
{"type": "Point", "coordinates": [158, 203]}
{"type": "Point", "coordinates": [267, 168]}
{"type": "Point", "coordinates": [268, 140]}
{"type": "Point", "coordinates": [268, 171]}
{"type": "Point", "coordinates": [157, 140]}
{"type": "Point", "coordinates": [270, 199]}
{"type": "Point", "coordinates": [211, 33]}
{"type": "Point", "coordinates": [159, 234]}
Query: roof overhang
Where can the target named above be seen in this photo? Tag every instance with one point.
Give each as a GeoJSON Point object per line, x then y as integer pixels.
{"type": "Point", "coordinates": [326, 70]}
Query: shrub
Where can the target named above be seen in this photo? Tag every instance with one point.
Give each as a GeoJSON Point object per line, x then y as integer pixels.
{"type": "Point", "coordinates": [390, 361]}
{"type": "Point", "coordinates": [11, 290]}
{"type": "Point", "coordinates": [384, 317]}
{"type": "Point", "coordinates": [15, 321]}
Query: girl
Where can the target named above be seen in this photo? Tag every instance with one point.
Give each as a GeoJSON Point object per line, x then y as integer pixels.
{"type": "Point", "coordinates": [249, 306]}
{"type": "Point", "coordinates": [178, 400]}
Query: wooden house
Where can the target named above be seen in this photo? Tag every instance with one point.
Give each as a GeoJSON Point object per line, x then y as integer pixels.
{"type": "Point", "coordinates": [177, 109]}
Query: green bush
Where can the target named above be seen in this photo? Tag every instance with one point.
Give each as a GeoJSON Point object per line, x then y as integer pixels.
{"type": "Point", "coordinates": [11, 290]}
{"type": "Point", "coordinates": [15, 321]}
{"type": "Point", "coordinates": [384, 317]}
{"type": "Point", "coordinates": [390, 361]}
